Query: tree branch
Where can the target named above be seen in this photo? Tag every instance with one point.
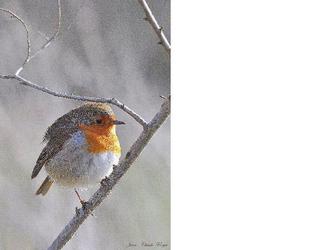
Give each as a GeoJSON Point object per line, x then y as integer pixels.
{"type": "Point", "coordinates": [26, 30]}
{"type": "Point", "coordinates": [108, 183]}
{"type": "Point", "coordinates": [47, 43]}
{"type": "Point", "coordinates": [113, 101]}
{"type": "Point", "coordinates": [157, 28]}
{"type": "Point", "coordinates": [149, 129]}
{"type": "Point", "coordinates": [28, 83]}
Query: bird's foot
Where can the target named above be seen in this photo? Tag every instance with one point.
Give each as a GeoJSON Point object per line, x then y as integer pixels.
{"type": "Point", "coordinates": [104, 181]}
{"type": "Point", "coordinates": [84, 204]}
{"type": "Point", "coordinates": [77, 211]}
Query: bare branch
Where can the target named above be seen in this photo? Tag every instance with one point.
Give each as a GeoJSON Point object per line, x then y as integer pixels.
{"type": "Point", "coordinates": [113, 101]}
{"type": "Point", "coordinates": [149, 130]}
{"type": "Point", "coordinates": [157, 28]}
{"type": "Point", "coordinates": [26, 30]}
{"type": "Point", "coordinates": [56, 33]}
{"type": "Point", "coordinates": [47, 43]}
{"type": "Point", "coordinates": [28, 83]}
{"type": "Point", "coordinates": [108, 183]}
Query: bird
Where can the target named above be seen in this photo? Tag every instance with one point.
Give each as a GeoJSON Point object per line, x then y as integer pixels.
{"type": "Point", "coordinates": [81, 148]}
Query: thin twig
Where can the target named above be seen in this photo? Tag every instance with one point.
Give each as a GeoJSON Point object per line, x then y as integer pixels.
{"type": "Point", "coordinates": [108, 183]}
{"type": "Point", "coordinates": [113, 101]}
{"type": "Point", "coordinates": [135, 150]}
{"type": "Point", "coordinates": [26, 30]}
{"type": "Point", "coordinates": [157, 28]}
{"type": "Point", "coordinates": [28, 83]}
{"type": "Point", "coordinates": [56, 33]}
{"type": "Point", "coordinates": [48, 42]}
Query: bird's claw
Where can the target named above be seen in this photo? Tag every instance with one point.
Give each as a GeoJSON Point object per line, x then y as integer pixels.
{"type": "Point", "coordinates": [84, 204]}
{"type": "Point", "coordinates": [104, 181]}
{"type": "Point", "coordinates": [77, 211]}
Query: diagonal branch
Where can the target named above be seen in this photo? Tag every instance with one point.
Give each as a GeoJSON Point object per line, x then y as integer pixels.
{"type": "Point", "coordinates": [113, 101]}
{"type": "Point", "coordinates": [157, 28]}
{"type": "Point", "coordinates": [108, 184]}
{"type": "Point", "coordinates": [149, 129]}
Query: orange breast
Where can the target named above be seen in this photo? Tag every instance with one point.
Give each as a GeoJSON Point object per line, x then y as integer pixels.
{"type": "Point", "coordinates": [101, 139]}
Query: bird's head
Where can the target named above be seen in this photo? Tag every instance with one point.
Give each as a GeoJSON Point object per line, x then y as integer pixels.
{"type": "Point", "coordinates": [96, 118]}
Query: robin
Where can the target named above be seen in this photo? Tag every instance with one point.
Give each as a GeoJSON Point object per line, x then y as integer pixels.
{"type": "Point", "coordinates": [82, 147]}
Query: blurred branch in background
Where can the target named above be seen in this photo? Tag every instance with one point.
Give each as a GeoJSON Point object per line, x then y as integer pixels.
{"type": "Point", "coordinates": [137, 147]}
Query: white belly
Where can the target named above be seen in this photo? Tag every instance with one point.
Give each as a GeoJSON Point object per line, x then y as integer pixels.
{"type": "Point", "coordinates": [74, 167]}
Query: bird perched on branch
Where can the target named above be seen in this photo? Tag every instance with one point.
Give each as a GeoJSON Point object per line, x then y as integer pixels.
{"type": "Point", "coordinates": [82, 147]}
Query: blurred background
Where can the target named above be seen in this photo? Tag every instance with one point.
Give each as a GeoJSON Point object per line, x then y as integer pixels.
{"type": "Point", "coordinates": [105, 49]}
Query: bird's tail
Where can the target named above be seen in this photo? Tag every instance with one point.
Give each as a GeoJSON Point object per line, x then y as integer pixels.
{"type": "Point", "coordinates": [47, 183]}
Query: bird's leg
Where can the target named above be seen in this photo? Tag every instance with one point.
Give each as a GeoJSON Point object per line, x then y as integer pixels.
{"type": "Point", "coordinates": [83, 202]}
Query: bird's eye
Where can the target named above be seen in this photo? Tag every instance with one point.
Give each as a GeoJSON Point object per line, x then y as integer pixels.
{"type": "Point", "coordinates": [99, 121]}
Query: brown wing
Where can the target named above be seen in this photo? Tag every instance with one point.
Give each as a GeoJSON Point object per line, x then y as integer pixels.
{"type": "Point", "coordinates": [50, 150]}
{"type": "Point", "coordinates": [56, 135]}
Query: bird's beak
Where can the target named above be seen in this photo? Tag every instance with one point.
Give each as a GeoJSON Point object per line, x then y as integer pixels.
{"type": "Point", "coordinates": [116, 122]}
